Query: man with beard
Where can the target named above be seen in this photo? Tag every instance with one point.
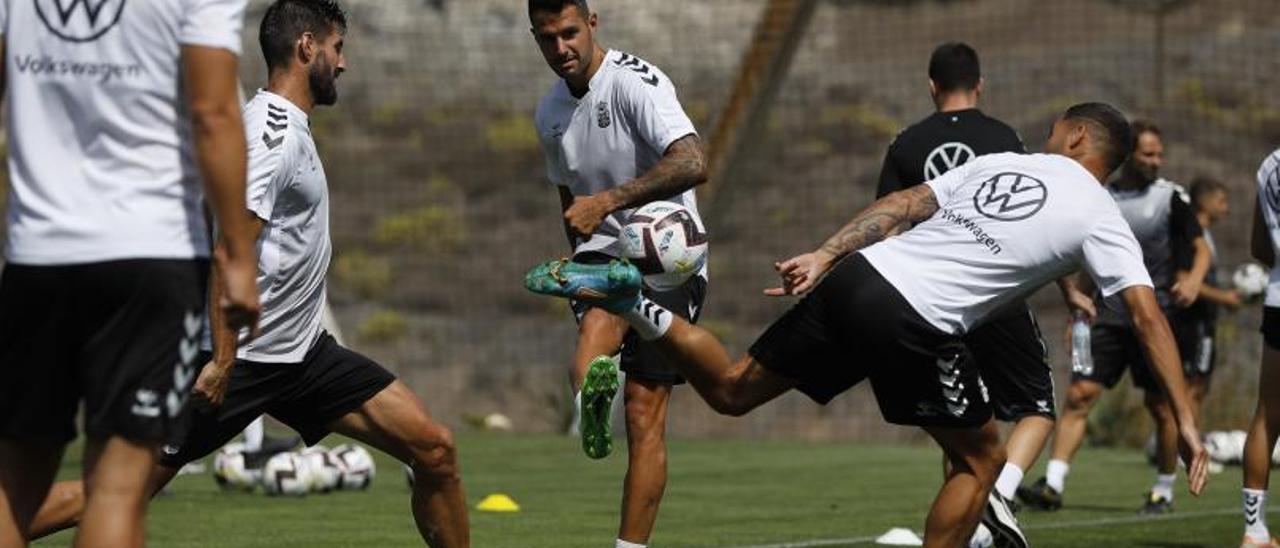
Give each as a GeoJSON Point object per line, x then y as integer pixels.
{"type": "Point", "coordinates": [1177, 258]}
{"type": "Point", "coordinates": [615, 138]}
{"type": "Point", "coordinates": [294, 370]}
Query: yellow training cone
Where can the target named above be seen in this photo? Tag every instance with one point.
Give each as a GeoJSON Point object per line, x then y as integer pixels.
{"type": "Point", "coordinates": [498, 502]}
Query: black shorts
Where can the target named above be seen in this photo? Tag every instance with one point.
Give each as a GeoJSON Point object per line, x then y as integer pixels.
{"type": "Point", "coordinates": [1271, 327]}
{"type": "Point", "coordinates": [1195, 338]}
{"type": "Point", "coordinates": [1116, 349]}
{"type": "Point", "coordinates": [1013, 360]}
{"type": "Point", "coordinates": [330, 382]}
{"type": "Point", "coordinates": [856, 325]}
{"type": "Point", "coordinates": [641, 359]}
{"type": "Point", "coordinates": [121, 335]}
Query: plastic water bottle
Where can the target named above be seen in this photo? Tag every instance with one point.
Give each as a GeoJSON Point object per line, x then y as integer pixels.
{"type": "Point", "coordinates": [1081, 346]}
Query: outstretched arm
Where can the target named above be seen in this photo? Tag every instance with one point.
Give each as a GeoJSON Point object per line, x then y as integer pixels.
{"type": "Point", "coordinates": [1157, 342]}
{"type": "Point", "coordinates": [683, 166]}
{"type": "Point", "coordinates": [877, 222]}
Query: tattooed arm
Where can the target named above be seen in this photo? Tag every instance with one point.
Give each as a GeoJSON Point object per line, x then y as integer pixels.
{"type": "Point", "coordinates": [683, 166]}
{"type": "Point", "coordinates": [882, 219]}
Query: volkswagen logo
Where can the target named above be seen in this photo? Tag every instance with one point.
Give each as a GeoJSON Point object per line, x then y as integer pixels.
{"type": "Point", "coordinates": [1010, 197]}
{"type": "Point", "coordinates": [946, 157]}
{"type": "Point", "coordinates": [79, 20]}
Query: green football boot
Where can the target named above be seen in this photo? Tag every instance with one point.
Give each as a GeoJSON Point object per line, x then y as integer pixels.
{"type": "Point", "coordinates": [614, 287]}
{"type": "Point", "coordinates": [596, 407]}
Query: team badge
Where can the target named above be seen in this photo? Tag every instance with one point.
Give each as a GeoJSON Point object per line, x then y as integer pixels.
{"type": "Point", "coordinates": [602, 115]}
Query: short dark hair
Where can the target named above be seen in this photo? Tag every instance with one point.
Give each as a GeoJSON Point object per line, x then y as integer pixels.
{"type": "Point", "coordinates": [1202, 187]}
{"type": "Point", "coordinates": [286, 20]}
{"type": "Point", "coordinates": [1141, 126]}
{"type": "Point", "coordinates": [556, 6]}
{"type": "Point", "coordinates": [954, 66]}
{"type": "Point", "coordinates": [1109, 128]}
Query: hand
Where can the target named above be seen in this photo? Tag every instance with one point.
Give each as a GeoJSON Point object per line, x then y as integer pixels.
{"type": "Point", "coordinates": [1079, 302]}
{"type": "Point", "coordinates": [799, 274]}
{"type": "Point", "coordinates": [211, 386]}
{"type": "Point", "coordinates": [1233, 300]}
{"type": "Point", "coordinates": [1195, 457]}
{"type": "Point", "coordinates": [1185, 292]}
{"type": "Point", "coordinates": [587, 212]}
{"type": "Point", "coordinates": [240, 306]}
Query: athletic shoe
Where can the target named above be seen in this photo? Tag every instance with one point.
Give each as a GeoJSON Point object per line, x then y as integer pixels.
{"type": "Point", "coordinates": [614, 287]}
{"type": "Point", "coordinates": [1156, 504]}
{"type": "Point", "coordinates": [1040, 496]}
{"type": "Point", "coordinates": [598, 389]}
{"type": "Point", "coordinates": [1250, 542]}
{"type": "Point", "coordinates": [270, 448]}
{"type": "Point", "coordinates": [982, 538]}
{"type": "Point", "coordinates": [1003, 525]}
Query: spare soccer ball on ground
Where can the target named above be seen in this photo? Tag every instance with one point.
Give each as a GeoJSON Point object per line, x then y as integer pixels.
{"type": "Point", "coordinates": [326, 474]}
{"type": "Point", "coordinates": [286, 474]}
{"type": "Point", "coordinates": [665, 242]}
{"type": "Point", "coordinates": [230, 472]}
{"type": "Point", "coordinates": [1250, 279]}
{"type": "Point", "coordinates": [356, 465]}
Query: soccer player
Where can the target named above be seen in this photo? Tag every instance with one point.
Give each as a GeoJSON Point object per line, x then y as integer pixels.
{"type": "Point", "coordinates": [294, 370]}
{"type": "Point", "coordinates": [616, 138]}
{"type": "Point", "coordinates": [985, 234]}
{"type": "Point", "coordinates": [1008, 350]}
{"type": "Point", "coordinates": [116, 116]}
{"type": "Point", "coordinates": [1199, 322]}
{"type": "Point", "coordinates": [1177, 258]}
{"type": "Point", "coordinates": [1266, 419]}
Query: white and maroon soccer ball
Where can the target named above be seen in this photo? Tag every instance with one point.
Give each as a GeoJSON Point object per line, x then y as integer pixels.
{"type": "Point", "coordinates": [286, 474]}
{"type": "Point", "coordinates": [664, 241]}
{"type": "Point", "coordinates": [230, 472]}
{"type": "Point", "coordinates": [356, 464]}
{"type": "Point", "coordinates": [1250, 280]}
{"type": "Point", "coordinates": [325, 473]}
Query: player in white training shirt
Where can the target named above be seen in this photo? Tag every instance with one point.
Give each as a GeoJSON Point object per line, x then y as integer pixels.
{"type": "Point", "coordinates": [294, 370]}
{"type": "Point", "coordinates": [616, 138]}
{"type": "Point", "coordinates": [117, 112]}
{"type": "Point", "coordinates": [1265, 428]}
{"type": "Point", "coordinates": [985, 234]}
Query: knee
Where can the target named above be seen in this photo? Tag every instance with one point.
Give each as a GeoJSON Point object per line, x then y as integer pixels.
{"type": "Point", "coordinates": [1081, 397]}
{"type": "Point", "coordinates": [435, 457]}
{"type": "Point", "coordinates": [730, 406]}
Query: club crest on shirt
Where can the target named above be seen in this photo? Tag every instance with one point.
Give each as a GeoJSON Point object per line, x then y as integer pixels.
{"type": "Point", "coordinates": [1010, 197]}
{"type": "Point", "coordinates": [602, 115]}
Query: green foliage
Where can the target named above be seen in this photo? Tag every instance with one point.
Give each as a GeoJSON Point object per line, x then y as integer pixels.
{"type": "Point", "coordinates": [367, 276]}
{"type": "Point", "coordinates": [383, 326]}
{"type": "Point", "coordinates": [429, 228]}
{"type": "Point", "coordinates": [514, 133]}
{"type": "Point", "coordinates": [863, 116]}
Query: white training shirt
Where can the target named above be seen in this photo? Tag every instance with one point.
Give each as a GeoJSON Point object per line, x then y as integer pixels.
{"type": "Point", "coordinates": [1006, 225]}
{"type": "Point", "coordinates": [101, 158]}
{"type": "Point", "coordinates": [289, 192]}
{"type": "Point", "coordinates": [1269, 198]}
{"type": "Point", "coordinates": [616, 132]}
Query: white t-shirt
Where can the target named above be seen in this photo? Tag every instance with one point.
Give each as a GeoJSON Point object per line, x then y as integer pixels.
{"type": "Point", "coordinates": [289, 192]}
{"type": "Point", "coordinates": [1269, 197]}
{"type": "Point", "coordinates": [616, 132]}
{"type": "Point", "coordinates": [1006, 225]}
{"type": "Point", "coordinates": [101, 154]}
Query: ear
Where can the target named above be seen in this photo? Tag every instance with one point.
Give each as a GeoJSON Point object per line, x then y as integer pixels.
{"type": "Point", "coordinates": [982, 83]}
{"type": "Point", "coordinates": [933, 88]}
{"type": "Point", "coordinates": [307, 47]}
{"type": "Point", "coordinates": [592, 21]}
{"type": "Point", "coordinates": [1078, 137]}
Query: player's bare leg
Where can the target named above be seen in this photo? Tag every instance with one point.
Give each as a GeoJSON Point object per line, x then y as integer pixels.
{"type": "Point", "coordinates": [1198, 389]}
{"type": "Point", "coordinates": [26, 472]}
{"type": "Point", "coordinates": [64, 507]}
{"type": "Point", "coordinates": [1263, 432]}
{"type": "Point", "coordinates": [599, 334]}
{"type": "Point", "coordinates": [1166, 432]}
{"type": "Point", "coordinates": [117, 476]}
{"type": "Point", "coordinates": [396, 422]}
{"type": "Point", "coordinates": [1027, 439]}
{"type": "Point", "coordinates": [646, 411]}
{"type": "Point", "coordinates": [1081, 397]}
{"type": "Point", "coordinates": [975, 458]}
{"type": "Point", "coordinates": [731, 388]}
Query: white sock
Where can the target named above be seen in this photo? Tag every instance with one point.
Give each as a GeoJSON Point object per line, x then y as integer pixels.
{"type": "Point", "coordinates": [1009, 480]}
{"type": "Point", "coordinates": [576, 422]}
{"type": "Point", "coordinates": [1164, 485]}
{"type": "Point", "coordinates": [624, 544]}
{"type": "Point", "coordinates": [1255, 507]}
{"type": "Point", "coordinates": [649, 319]}
{"type": "Point", "coordinates": [1056, 474]}
{"type": "Point", "coordinates": [253, 435]}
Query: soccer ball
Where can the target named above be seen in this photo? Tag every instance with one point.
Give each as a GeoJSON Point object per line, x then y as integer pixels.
{"type": "Point", "coordinates": [1250, 279]}
{"type": "Point", "coordinates": [286, 474]}
{"type": "Point", "coordinates": [230, 472]}
{"type": "Point", "coordinates": [356, 464]}
{"type": "Point", "coordinates": [325, 473]}
{"type": "Point", "coordinates": [666, 243]}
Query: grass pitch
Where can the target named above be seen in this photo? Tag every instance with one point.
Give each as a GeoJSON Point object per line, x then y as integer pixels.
{"type": "Point", "coordinates": [720, 494]}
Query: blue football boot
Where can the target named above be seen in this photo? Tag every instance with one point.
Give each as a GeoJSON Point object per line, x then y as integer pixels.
{"type": "Point", "coordinates": [614, 287]}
